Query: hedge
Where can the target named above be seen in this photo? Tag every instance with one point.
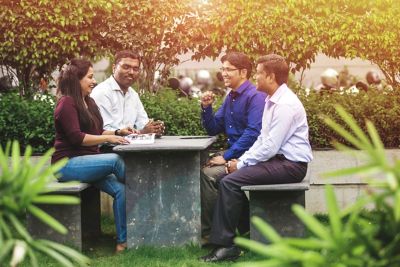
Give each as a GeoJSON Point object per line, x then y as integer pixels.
{"type": "Point", "coordinates": [31, 121]}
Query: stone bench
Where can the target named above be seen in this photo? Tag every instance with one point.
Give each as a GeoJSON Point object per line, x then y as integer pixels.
{"type": "Point", "coordinates": [273, 204]}
{"type": "Point", "coordinates": [81, 220]}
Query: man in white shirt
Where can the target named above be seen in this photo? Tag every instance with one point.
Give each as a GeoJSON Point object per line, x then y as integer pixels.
{"type": "Point", "coordinates": [279, 155]}
{"type": "Point", "coordinates": [120, 106]}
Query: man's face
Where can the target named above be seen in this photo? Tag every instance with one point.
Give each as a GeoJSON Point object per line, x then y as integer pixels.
{"type": "Point", "coordinates": [233, 77]}
{"type": "Point", "coordinates": [262, 79]}
{"type": "Point", "coordinates": [126, 72]}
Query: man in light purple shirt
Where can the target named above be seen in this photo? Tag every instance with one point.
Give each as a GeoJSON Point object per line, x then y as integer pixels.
{"type": "Point", "coordinates": [279, 155]}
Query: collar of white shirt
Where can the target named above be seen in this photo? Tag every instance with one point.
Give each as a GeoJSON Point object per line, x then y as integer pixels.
{"type": "Point", "coordinates": [115, 86]}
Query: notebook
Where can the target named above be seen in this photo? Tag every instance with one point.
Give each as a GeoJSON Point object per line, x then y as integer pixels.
{"type": "Point", "coordinates": [140, 138]}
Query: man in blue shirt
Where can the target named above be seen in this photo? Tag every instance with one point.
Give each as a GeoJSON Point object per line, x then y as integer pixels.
{"type": "Point", "coordinates": [239, 118]}
{"type": "Point", "coordinates": [279, 155]}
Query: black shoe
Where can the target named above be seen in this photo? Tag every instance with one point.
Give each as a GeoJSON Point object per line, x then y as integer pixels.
{"type": "Point", "coordinates": [222, 254]}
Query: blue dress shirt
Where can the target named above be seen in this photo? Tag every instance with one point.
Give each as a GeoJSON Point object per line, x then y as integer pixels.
{"type": "Point", "coordinates": [239, 118]}
{"type": "Point", "coordinates": [284, 131]}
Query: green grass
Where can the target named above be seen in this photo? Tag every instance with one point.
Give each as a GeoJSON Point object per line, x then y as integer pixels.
{"type": "Point", "coordinates": [101, 252]}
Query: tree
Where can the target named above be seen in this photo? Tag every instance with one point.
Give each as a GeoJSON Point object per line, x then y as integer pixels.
{"type": "Point", "coordinates": [261, 27]}
{"type": "Point", "coordinates": [298, 30]}
{"type": "Point", "coordinates": [366, 29]}
{"type": "Point", "coordinates": [158, 30]}
{"type": "Point", "coordinates": [39, 35]}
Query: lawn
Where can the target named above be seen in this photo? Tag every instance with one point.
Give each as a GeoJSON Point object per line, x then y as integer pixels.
{"type": "Point", "coordinates": [102, 254]}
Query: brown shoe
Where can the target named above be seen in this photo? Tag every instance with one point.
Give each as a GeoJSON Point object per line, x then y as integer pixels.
{"type": "Point", "coordinates": [121, 247]}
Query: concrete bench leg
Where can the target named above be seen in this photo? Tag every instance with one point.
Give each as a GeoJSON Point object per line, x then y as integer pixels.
{"type": "Point", "coordinates": [82, 221]}
{"type": "Point", "coordinates": [275, 208]}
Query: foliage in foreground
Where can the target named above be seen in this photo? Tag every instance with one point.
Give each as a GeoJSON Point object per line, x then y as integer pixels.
{"type": "Point", "coordinates": [22, 184]}
{"type": "Point", "coordinates": [352, 238]}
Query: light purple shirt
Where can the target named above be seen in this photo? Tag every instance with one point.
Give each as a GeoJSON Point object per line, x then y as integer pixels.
{"type": "Point", "coordinates": [284, 131]}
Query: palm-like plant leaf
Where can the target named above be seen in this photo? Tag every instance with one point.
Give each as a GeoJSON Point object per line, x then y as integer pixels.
{"type": "Point", "coordinates": [312, 223]}
{"type": "Point", "coordinates": [335, 219]}
{"type": "Point", "coordinates": [22, 184]}
{"type": "Point", "coordinates": [47, 219]}
{"type": "Point", "coordinates": [353, 238]}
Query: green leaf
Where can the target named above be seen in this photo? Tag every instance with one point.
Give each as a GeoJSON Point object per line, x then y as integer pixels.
{"type": "Point", "coordinates": [312, 223]}
{"type": "Point", "coordinates": [368, 168]}
{"type": "Point", "coordinates": [397, 206]}
{"type": "Point", "coordinates": [54, 254]}
{"type": "Point", "coordinates": [15, 157]}
{"type": "Point", "coordinates": [254, 246]}
{"type": "Point", "coordinates": [263, 263]}
{"type": "Point", "coordinates": [56, 199]}
{"type": "Point", "coordinates": [350, 121]}
{"type": "Point", "coordinates": [3, 163]}
{"type": "Point", "coordinates": [47, 219]}
{"type": "Point", "coordinates": [6, 249]}
{"type": "Point", "coordinates": [309, 243]}
{"type": "Point", "coordinates": [266, 230]}
{"type": "Point", "coordinates": [71, 253]}
{"type": "Point", "coordinates": [344, 133]}
{"type": "Point", "coordinates": [333, 212]}
{"type": "Point", "coordinates": [379, 154]}
{"type": "Point", "coordinates": [32, 256]}
{"type": "Point", "coordinates": [5, 228]}
{"type": "Point", "coordinates": [392, 181]}
{"type": "Point", "coordinates": [20, 228]}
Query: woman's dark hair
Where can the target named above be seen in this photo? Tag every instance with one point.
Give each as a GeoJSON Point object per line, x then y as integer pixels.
{"type": "Point", "coordinates": [239, 60]}
{"type": "Point", "coordinates": [69, 85]}
{"type": "Point", "coordinates": [276, 64]}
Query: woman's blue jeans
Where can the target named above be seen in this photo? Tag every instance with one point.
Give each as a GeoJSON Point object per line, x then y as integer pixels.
{"type": "Point", "coordinates": [107, 173]}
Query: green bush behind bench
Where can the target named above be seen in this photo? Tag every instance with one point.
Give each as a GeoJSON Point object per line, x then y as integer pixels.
{"type": "Point", "coordinates": [31, 121]}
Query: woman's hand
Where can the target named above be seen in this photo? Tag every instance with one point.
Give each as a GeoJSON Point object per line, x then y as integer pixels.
{"type": "Point", "coordinates": [115, 139]}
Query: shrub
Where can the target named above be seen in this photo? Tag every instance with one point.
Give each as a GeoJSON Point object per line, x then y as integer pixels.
{"type": "Point", "coordinates": [28, 121]}
{"type": "Point", "coordinates": [180, 115]}
{"type": "Point", "coordinates": [380, 107]}
{"type": "Point", "coordinates": [31, 121]}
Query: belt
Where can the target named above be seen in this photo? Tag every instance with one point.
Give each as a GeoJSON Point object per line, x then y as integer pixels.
{"type": "Point", "coordinates": [282, 157]}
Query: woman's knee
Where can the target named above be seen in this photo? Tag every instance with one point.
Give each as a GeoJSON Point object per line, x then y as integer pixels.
{"type": "Point", "coordinates": [117, 160]}
{"type": "Point", "coordinates": [118, 190]}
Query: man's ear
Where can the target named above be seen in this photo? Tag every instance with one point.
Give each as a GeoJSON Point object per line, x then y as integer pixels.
{"type": "Point", "coordinates": [113, 68]}
{"type": "Point", "coordinates": [243, 73]}
{"type": "Point", "coordinates": [272, 76]}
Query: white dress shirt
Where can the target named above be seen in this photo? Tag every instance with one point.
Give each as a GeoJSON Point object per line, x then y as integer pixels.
{"type": "Point", "coordinates": [118, 110]}
{"type": "Point", "coordinates": [284, 130]}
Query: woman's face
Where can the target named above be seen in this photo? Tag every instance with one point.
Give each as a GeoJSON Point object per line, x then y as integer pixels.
{"type": "Point", "coordinates": [88, 82]}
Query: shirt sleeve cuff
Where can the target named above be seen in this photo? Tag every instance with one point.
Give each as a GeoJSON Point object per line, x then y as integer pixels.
{"type": "Point", "coordinates": [227, 155]}
{"type": "Point", "coordinates": [207, 109]}
{"type": "Point", "coordinates": [240, 165]}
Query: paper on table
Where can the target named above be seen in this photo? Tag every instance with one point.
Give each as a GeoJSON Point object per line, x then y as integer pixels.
{"type": "Point", "coordinates": [140, 138]}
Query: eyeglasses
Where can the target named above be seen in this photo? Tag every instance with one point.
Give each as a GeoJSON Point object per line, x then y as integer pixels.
{"type": "Point", "coordinates": [227, 69]}
{"type": "Point", "coordinates": [128, 67]}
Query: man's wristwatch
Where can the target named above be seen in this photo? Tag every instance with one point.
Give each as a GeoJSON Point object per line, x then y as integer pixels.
{"type": "Point", "coordinates": [116, 132]}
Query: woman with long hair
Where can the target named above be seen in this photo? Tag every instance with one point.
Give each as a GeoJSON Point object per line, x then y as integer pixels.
{"type": "Point", "coordinates": [79, 132]}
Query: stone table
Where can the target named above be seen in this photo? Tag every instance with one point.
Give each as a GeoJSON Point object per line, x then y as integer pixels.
{"type": "Point", "coordinates": [163, 190]}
